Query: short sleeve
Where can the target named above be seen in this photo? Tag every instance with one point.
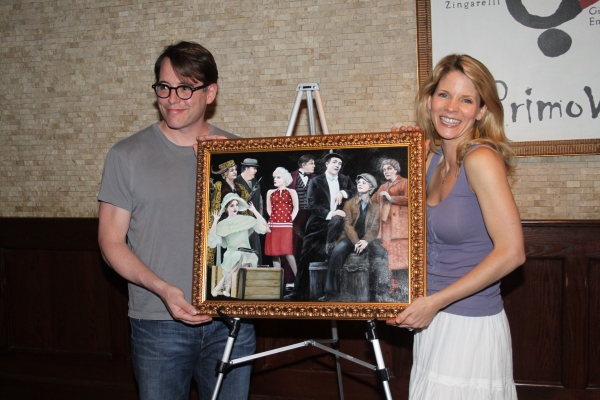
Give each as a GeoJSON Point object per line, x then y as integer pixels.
{"type": "Point", "coordinates": [115, 186]}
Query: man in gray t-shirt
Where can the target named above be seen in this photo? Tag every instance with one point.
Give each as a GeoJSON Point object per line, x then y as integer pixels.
{"type": "Point", "coordinates": [146, 233]}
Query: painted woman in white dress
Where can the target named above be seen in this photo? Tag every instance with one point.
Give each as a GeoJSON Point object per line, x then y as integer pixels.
{"type": "Point", "coordinates": [232, 233]}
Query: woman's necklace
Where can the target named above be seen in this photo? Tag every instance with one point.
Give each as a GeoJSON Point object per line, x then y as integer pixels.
{"type": "Point", "coordinates": [447, 174]}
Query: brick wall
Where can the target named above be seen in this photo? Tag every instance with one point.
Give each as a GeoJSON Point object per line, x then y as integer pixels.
{"type": "Point", "coordinates": [76, 78]}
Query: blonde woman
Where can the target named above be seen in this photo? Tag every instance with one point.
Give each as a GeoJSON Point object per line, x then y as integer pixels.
{"type": "Point", "coordinates": [282, 207]}
{"type": "Point", "coordinates": [462, 347]}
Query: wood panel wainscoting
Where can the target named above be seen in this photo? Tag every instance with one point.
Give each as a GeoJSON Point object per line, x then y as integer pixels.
{"type": "Point", "coordinates": [64, 327]}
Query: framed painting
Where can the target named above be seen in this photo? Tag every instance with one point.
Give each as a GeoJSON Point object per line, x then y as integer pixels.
{"type": "Point", "coordinates": [310, 227]}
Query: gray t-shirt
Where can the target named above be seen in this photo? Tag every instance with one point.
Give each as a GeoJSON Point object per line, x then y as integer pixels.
{"type": "Point", "coordinates": [155, 180]}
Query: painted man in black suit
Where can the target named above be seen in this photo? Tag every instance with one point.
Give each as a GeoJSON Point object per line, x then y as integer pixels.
{"type": "Point", "coordinates": [326, 194]}
{"type": "Point", "coordinates": [248, 180]}
{"type": "Point", "coordinates": [300, 179]}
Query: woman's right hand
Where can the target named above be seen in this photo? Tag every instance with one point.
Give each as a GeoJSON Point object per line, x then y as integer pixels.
{"type": "Point", "coordinates": [403, 128]}
{"type": "Point", "coordinates": [216, 215]}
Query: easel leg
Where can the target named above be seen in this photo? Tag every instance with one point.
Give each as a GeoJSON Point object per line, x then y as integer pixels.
{"type": "Point", "coordinates": [294, 115]}
{"type": "Point", "coordinates": [336, 345]}
{"type": "Point", "coordinates": [321, 113]}
{"type": "Point", "coordinates": [382, 371]}
{"type": "Point", "coordinates": [222, 366]}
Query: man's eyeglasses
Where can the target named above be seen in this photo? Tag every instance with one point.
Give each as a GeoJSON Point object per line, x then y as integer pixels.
{"type": "Point", "coordinates": [184, 92]}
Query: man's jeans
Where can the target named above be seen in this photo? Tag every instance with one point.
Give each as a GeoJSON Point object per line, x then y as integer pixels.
{"type": "Point", "coordinates": [166, 354]}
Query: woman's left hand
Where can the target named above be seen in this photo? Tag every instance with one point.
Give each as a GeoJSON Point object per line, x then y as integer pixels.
{"type": "Point", "coordinates": [418, 315]}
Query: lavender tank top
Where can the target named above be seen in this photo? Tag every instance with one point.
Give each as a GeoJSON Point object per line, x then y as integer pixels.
{"type": "Point", "coordinates": [457, 241]}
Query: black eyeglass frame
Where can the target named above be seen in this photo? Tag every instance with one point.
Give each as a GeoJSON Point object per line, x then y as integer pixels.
{"type": "Point", "coordinates": [177, 90]}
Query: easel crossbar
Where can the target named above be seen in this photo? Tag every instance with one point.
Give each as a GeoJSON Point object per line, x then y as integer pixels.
{"type": "Point", "coordinates": [305, 343]}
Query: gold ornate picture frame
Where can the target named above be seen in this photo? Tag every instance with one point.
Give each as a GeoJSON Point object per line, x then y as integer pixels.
{"type": "Point", "coordinates": [258, 289]}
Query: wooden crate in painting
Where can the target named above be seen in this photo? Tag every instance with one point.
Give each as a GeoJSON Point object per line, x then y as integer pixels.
{"type": "Point", "coordinates": [260, 283]}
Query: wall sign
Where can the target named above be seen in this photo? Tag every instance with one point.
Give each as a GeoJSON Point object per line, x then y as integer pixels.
{"type": "Point", "coordinates": [543, 55]}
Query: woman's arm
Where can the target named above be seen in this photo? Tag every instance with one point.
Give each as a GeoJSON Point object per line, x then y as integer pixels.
{"type": "Point", "coordinates": [486, 175]}
{"type": "Point", "coordinates": [259, 217]}
{"type": "Point", "coordinates": [399, 193]}
{"type": "Point", "coordinates": [269, 201]}
{"type": "Point", "coordinates": [295, 206]}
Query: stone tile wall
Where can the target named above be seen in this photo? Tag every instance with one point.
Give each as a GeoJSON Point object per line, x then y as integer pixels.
{"type": "Point", "coordinates": [557, 187]}
{"type": "Point", "coordinates": [76, 77]}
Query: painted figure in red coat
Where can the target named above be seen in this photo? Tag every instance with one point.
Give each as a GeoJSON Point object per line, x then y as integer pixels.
{"type": "Point", "coordinates": [393, 213]}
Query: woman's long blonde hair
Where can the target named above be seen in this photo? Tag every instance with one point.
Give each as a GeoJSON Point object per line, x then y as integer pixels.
{"type": "Point", "coordinates": [490, 128]}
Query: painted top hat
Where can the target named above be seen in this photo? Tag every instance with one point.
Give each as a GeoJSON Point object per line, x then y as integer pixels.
{"type": "Point", "coordinates": [331, 154]}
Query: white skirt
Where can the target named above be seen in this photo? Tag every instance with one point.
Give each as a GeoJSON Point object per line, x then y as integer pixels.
{"type": "Point", "coordinates": [466, 358]}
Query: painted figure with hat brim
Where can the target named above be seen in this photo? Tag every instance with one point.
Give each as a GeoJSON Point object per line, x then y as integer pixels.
{"type": "Point", "coordinates": [232, 233]}
{"type": "Point", "coordinates": [247, 178]}
{"type": "Point", "coordinates": [228, 172]}
{"type": "Point", "coordinates": [359, 235]}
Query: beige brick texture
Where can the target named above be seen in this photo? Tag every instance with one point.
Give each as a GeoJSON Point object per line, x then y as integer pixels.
{"type": "Point", "coordinates": [76, 77]}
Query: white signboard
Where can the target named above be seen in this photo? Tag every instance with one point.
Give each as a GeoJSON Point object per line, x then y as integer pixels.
{"type": "Point", "coordinates": [544, 55]}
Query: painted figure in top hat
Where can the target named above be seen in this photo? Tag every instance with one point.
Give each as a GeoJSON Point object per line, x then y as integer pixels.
{"type": "Point", "coordinates": [326, 195]}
